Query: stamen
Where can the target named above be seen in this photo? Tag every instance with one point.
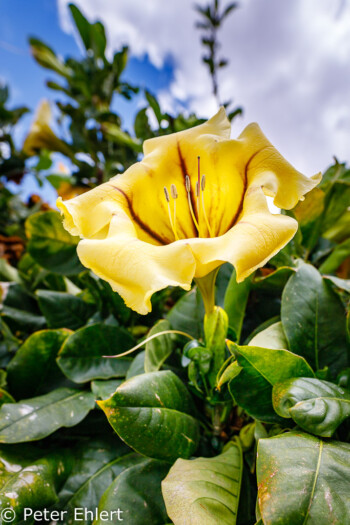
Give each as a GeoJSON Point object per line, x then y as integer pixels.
{"type": "Point", "coordinates": [203, 206]}
{"type": "Point", "coordinates": [166, 194]}
{"type": "Point", "coordinates": [167, 197]}
{"type": "Point", "coordinates": [198, 186]}
{"type": "Point", "coordinates": [188, 189]}
{"type": "Point", "coordinates": [173, 191]}
{"type": "Point", "coordinates": [174, 195]}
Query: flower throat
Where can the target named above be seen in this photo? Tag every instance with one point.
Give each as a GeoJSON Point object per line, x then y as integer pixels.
{"type": "Point", "coordinates": [200, 187]}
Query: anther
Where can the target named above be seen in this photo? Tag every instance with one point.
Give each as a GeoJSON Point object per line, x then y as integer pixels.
{"type": "Point", "coordinates": [203, 183]}
{"type": "Point", "coordinates": [166, 194]}
{"type": "Point", "coordinates": [173, 191]}
{"type": "Point", "coordinates": [197, 189]}
{"type": "Point", "coordinates": [188, 184]}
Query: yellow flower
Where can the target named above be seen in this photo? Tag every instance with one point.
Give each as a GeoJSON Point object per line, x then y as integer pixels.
{"type": "Point", "coordinates": [41, 136]}
{"type": "Point", "coordinates": [195, 201]}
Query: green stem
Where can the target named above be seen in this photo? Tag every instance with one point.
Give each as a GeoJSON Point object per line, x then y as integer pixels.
{"type": "Point", "coordinates": [206, 286]}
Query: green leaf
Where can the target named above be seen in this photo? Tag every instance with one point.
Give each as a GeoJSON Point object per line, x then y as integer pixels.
{"type": "Point", "coordinates": [47, 58]}
{"type": "Point", "coordinates": [188, 314]}
{"type": "Point", "coordinates": [115, 134]}
{"type": "Point", "coordinates": [272, 337]}
{"type": "Point", "coordinates": [51, 245]}
{"type": "Point", "coordinates": [142, 127]}
{"type": "Point", "coordinates": [160, 348]}
{"type": "Point", "coordinates": [39, 417]}
{"type": "Point", "coordinates": [137, 493]}
{"type": "Point", "coordinates": [261, 369]}
{"type": "Point", "coordinates": [205, 490]}
{"type": "Point", "coordinates": [21, 320]}
{"type": "Point", "coordinates": [338, 255]}
{"type": "Point", "coordinates": [26, 484]}
{"type": "Point", "coordinates": [338, 202]}
{"type": "Point", "coordinates": [98, 38]}
{"type": "Point", "coordinates": [104, 389]}
{"type": "Point", "coordinates": [215, 331]}
{"type": "Point", "coordinates": [303, 480]}
{"type": "Point", "coordinates": [63, 310]}
{"type": "Point", "coordinates": [313, 320]}
{"type": "Point", "coordinates": [318, 407]}
{"type": "Point", "coordinates": [82, 25]}
{"type": "Point", "coordinates": [235, 302]}
{"type": "Point", "coordinates": [341, 284]}
{"type": "Point", "coordinates": [152, 413]}
{"type": "Point", "coordinates": [273, 281]}
{"type": "Point", "coordinates": [309, 214]}
{"type": "Point", "coordinates": [5, 397]}
{"type": "Point", "coordinates": [33, 369]}
{"type": "Point", "coordinates": [81, 357]}
{"type": "Point", "coordinates": [20, 310]}
{"type": "Point", "coordinates": [152, 101]}
{"type": "Point", "coordinates": [96, 465]}
{"type": "Point", "coordinates": [137, 366]}
{"type": "Point", "coordinates": [8, 273]}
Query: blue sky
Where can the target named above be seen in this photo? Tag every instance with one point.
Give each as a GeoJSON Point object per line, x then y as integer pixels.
{"type": "Point", "coordinates": [289, 64]}
{"type": "Point", "coordinates": [18, 21]}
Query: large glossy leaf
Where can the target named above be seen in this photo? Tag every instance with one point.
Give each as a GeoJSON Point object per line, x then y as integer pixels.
{"type": "Point", "coordinates": [34, 367]}
{"type": "Point", "coordinates": [51, 245]}
{"type": "Point", "coordinates": [63, 310]}
{"type": "Point", "coordinates": [188, 314]}
{"type": "Point", "coordinates": [39, 417]}
{"type": "Point", "coordinates": [136, 492]}
{"type": "Point", "coordinates": [272, 337]}
{"type": "Point", "coordinates": [313, 319]}
{"type": "Point", "coordinates": [160, 348]}
{"type": "Point", "coordinates": [303, 480]}
{"type": "Point", "coordinates": [104, 389]}
{"type": "Point", "coordinates": [152, 413]}
{"type": "Point", "coordinates": [316, 406]}
{"type": "Point", "coordinates": [29, 483]}
{"type": "Point", "coordinates": [81, 357]}
{"type": "Point", "coordinates": [235, 303]}
{"type": "Point", "coordinates": [205, 490]}
{"type": "Point", "coordinates": [261, 368]}
{"type": "Point", "coordinates": [97, 465]}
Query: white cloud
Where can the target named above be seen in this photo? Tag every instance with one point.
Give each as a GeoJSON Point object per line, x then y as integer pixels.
{"type": "Point", "coordinates": [288, 65]}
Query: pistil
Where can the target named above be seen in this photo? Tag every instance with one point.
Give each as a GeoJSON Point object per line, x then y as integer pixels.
{"type": "Point", "coordinates": [188, 189]}
{"type": "Point", "coordinates": [200, 188]}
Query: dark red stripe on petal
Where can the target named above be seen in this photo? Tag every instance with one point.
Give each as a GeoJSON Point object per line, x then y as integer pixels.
{"type": "Point", "coordinates": [139, 221]}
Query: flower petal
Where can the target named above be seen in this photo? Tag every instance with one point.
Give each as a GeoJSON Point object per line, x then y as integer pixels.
{"type": "Point", "coordinates": [267, 168]}
{"type": "Point", "coordinates": [41, 135]}
{"type": "Point", "coordinates": [140, 190]}
{"type": "Point", "coordinates": [136, 269]}
{"type": "Point", "coordinates": [255, 238]}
